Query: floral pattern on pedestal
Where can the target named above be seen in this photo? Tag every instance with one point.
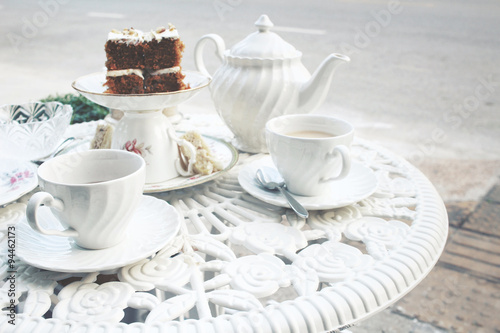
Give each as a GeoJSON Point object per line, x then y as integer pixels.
{"type": "Point", "coordinates": [139, 149]}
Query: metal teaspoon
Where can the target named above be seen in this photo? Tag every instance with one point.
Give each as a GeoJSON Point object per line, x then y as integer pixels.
{"type": "Point", "coordinates": [63, 145]}
{"type": "Point", "coordinates": [271, 179]}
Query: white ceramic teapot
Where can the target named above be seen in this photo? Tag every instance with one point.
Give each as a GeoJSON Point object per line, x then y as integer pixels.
{"type": "Point", "coordinates": [262, 77]}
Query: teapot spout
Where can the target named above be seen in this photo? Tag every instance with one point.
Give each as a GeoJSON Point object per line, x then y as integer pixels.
{"type": "Point", "coordinates": [313, 92]}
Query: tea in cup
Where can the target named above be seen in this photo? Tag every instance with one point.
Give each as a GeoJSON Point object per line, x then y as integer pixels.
{"type": "Point", "coordinates": [310, 151]}
{"type": "Point", "coordinates": [93, 194]}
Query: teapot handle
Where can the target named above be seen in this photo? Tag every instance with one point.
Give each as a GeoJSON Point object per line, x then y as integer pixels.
{"type": "Point", "coordinates": [198, 51]}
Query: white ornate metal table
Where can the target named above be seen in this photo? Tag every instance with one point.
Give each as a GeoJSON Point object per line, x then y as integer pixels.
{"type": "Point", "coordinates": [241, 265]}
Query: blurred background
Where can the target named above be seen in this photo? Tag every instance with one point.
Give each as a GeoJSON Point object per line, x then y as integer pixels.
{"type": "Point", "coordinates": [423, 81]}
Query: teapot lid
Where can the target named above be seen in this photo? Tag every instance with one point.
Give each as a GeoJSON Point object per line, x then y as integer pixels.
{"type": "Point", "coordinates": [263, 43]}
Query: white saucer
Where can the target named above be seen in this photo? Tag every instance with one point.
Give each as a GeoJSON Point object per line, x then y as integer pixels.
{"type": "Point", "coordinates": [16, 179]}
{"type": "Point", "coordinates": [358, 185]}
{"type": "Point", "coordinates": [154, 225]}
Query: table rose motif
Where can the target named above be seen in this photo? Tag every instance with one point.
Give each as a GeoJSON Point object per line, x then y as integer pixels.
{"type": "Point", "coordinates": [261, 275]}
{"type": "Point", "coordinates": [377, 234]}
{"type": "Point", "coordinates": [82, 301]}
{"type": "Point", "coordinates": [333, 261]}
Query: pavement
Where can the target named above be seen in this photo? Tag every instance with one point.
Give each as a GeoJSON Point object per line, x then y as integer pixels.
{"type": "Point", "coordinates": [423, 81]}
{"type": "Point", "coordinates": [462, 292]}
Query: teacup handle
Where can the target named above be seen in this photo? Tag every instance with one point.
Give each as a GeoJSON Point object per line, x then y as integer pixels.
{"type": "Point", "coordinates": [192, 150]}
{"type": "Point", "coordinates": [44, 198]}
{"type": "Point", "coordinates": [346, 163]}
{"type": "Point", "coordinates": [198, 51]}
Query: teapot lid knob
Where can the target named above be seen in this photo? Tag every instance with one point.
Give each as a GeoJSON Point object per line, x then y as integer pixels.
{"type": "Point", "coordinates": [264, 23]}
{"type": "Point", "coordinates": [264, 44]}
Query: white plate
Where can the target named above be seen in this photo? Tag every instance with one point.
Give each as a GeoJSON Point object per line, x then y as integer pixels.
{"type": "Point", "coordinates": [358, 185]}
{"type": "Point", "coordinates": [154, 225]}
{"type": "Point", "coordinates": [16, 179]}
{"type": "Point", "coordinates": [91, 86]}
{"type": "Point", "coordinates": [223, 151]}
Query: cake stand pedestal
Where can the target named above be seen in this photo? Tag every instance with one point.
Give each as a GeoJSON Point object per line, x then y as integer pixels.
{"type": "Point", "coordinates": [144, 129]}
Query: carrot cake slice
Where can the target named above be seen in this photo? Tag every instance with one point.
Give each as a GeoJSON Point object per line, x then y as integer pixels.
{"type": "Point", "coordinates": [139, 62]}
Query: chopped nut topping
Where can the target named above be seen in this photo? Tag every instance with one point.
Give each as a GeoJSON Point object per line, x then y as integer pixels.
{"type": "Point", "coordinates": [160, 30]}
{"type": "Point", "coordinates": [130, 32]}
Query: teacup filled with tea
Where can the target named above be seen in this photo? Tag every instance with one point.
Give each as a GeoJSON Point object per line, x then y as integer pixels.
{"type": "Point", "coordinates": [310, 151]}
{"type": "Point", "coordinates": [93, 194]}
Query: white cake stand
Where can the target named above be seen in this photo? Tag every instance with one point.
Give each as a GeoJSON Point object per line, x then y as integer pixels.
{"type": "Point", "coordinates": [144, 129]}
{"type": "Point", "coordinates": [92, 87]}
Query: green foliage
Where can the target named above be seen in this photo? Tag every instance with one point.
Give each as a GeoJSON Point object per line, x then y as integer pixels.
{"type": "Point", "coordinates": [83, 109]}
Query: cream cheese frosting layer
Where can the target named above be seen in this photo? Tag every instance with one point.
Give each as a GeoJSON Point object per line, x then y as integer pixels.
{"type": "Point", "coordinates": [135, 36]}
{"type": "Point", "coordinates": [161, 32]}
{"type": "Point", "coordinates": [123, 72]}
{"type": "Point", "coordinates": [126, 36]}
{"type": "Point", "coordinates": [166, 71]}
{"type": "Point", "coordinates": [140, 72]}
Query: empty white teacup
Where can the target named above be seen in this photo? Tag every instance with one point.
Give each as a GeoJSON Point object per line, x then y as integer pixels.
{"type": "Point", "coordinates": [310, 151]}
{"type": "Point", "coordinates": [93, 194]}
